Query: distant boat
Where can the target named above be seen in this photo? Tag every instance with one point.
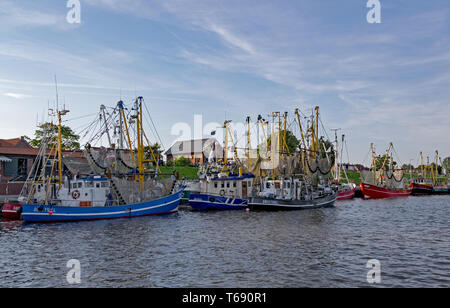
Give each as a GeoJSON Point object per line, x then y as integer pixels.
{"type": "Point", "coordinates": [420, 189]}
{"type": "Point", "coordinates": [346, 192]}
{"type": "Point", "coordinates": [384, 183]}
{"type": "Point", "coordinates": [429, 182]}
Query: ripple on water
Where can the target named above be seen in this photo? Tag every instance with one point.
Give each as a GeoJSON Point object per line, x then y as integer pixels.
{"type": "Point", "coordinates": [317, 248]}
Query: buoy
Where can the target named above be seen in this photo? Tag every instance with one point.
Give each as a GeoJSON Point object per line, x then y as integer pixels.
{"type": "Point", "coordinates": [50, 212]}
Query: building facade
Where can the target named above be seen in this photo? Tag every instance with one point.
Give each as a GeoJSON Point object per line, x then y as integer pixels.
{"type": "Point", "coordinates": [198, 152]}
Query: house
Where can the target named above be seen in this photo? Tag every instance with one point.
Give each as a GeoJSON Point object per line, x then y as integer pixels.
{"type": "Point", "coordinates": [197, 151]}
{"type": "Point", "coordinates": [17, 157]}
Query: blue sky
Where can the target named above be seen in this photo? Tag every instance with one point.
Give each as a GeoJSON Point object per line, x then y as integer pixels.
{"type": "Point", "coordinates": [378, 82]}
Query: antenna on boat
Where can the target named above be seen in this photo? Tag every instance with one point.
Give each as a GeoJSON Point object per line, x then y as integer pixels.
{"type": "Point", "coordinates": [336, 162]}
{"type": "Point", "coordinates": [57, 102]}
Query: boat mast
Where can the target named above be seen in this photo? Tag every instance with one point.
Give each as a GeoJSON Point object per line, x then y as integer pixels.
{"type": "Point", "coordinates": [124, 119]}
{"type": "Point", "coordinates": [337, 169]}
{"type": "Point", "coordinates": [297, 112]}
{"type": "Point", "coordinates": [102, 109]}
{"type": "Point", "coordinates": [437, 164]}
{"type": "Point", "coordinates": [60, 166]}
{"type": "Point", "coordinates": [140, 142]}
{"type": "Point", "coordinates": [248, 144]}
{"type": "Point", "coordinates": [421, 164]}
{"type": "Point", "coordinates": [264, 132]}
{"type": "Point", "coordinates": [285, 146]}
{"type": "Point", "coordinates": [225, 148]}
{"type": "Point", "coordinates": [317, 129]}
{"type": "Point", "coordinates": [374, 165]}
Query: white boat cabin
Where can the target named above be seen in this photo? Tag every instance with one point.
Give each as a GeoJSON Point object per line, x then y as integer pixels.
{"type": "Point", "coordinates": [289, 188]}
{"type": "Point", "coordinates": [88, 192]}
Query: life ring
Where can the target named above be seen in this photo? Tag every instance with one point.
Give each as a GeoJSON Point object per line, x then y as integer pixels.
{"type": "Point", "coordinates": [222, 193]}
{"type": "Point", "coordinates": [76, 194]}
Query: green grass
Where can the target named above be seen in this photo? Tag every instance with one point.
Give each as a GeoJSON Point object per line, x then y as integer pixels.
{"type": "Point", "coordinates": [189, 173]}
{"type": "Point", "coordinates": [353, 177]}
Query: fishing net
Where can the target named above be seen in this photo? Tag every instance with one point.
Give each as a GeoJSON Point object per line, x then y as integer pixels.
{"type": "Point", "coordinates": [129, 190]}
{"type": "Point", "coordinates": [77, 166]}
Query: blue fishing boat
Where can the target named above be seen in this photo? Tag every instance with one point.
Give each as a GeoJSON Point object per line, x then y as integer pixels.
{"type": "Point", "coordinates": [224, 192]}
{"type": "Point", "coordinates": [33, 213]}
{"type": "Point", "coordinates": [58, 191]}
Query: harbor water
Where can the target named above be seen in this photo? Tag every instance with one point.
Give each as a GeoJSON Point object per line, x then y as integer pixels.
{"type": "Point", "coordinates": [410, 237]}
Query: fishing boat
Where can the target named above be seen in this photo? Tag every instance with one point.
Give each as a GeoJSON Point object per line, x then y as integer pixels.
{"type": "Point", "coordinates": [420, 187]}
{"type": "Point", "coordinates": [346, 189]}
{"type": "Point", "coordinates": [429, 182]}
{"type": "Point", "coordinates": [11, 211]}
{"type": "Point", "coordinates": [291, 193]}
{"type": "Point", "coordinates": [223, 190]}
{"type": "Point", "coordinates": [300, 177]}
{"type": "Point", "coordinates": [384, 182]}
{"type": "Point", "coordinates": [112, 190]}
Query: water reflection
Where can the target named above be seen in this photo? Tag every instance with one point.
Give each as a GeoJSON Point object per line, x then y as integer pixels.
{"type": "Point", "coordinates": [317, 248]}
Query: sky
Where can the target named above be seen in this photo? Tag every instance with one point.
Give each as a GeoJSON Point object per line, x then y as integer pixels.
{"type": "Point", "coordinates": [378, 82]}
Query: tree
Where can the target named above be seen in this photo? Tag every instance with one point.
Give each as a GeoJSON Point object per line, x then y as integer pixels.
{"type": "Point", "coordinates": [157, 151]}
{"type": "Point", "coordinates": [446, 164]}
{"type": "Point", "coordinates": [328, 146]}
{"type": "Point", "coordinates": [182, 162]}
{"type": "Point", "coordinates": [69, 140]}
{"type": "Point", "coordinates": [408, 167]}
{"type": "Point", "coordinates": [386, 160]}
{"type": "Point", "coordinates": [292, 142]}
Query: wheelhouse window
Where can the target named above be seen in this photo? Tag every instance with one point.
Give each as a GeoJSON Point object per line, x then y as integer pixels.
{"type": "Point", "coordinates": [89, 184]}
{"type": "Point", "coordinates": [105, 184]}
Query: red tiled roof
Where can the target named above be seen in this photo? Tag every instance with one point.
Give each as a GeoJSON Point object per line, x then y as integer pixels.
{"type": "Point", "coordinates": [19, 146]}
{"type": "Point", "coordinates": [19, 151]}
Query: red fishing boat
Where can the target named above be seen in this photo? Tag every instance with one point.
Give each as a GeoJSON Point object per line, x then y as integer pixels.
{"type": "Point", "coordinates": [382, 182]}
{"type": "Point", "coordinates": [12, 211]}
{"type": "Point", "coordinates": [346, 194]}
{"type": "Point", "coordinates": [376, 192]}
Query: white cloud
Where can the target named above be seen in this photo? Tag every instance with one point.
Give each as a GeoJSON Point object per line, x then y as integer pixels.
{"type": "Point", "coordinates": [17, 95]}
